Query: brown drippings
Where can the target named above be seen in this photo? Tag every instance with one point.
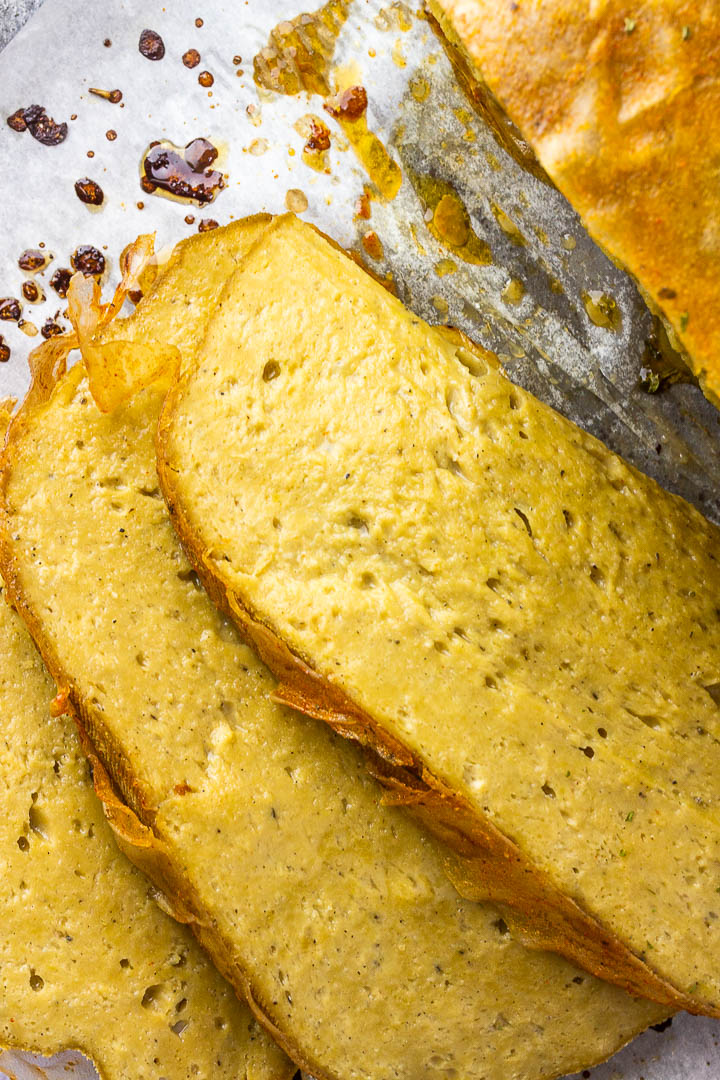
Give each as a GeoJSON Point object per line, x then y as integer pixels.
{"type": "Point", "coordinates": [189, 219]}
{"type": "Point", "coordinates": [299, 52]}
{"type": "Point", "coordinates": [191, 58]}
{"type": "Point", "coordinates": [107, 42]}
{"type": "Point", "coordinates": [450, 221]}
{"type": "Point", "coordinates": [113, 96]}
{"type": "Point", "coordinates": [10, 309]}
{"type": "Point", "coordinates": [237, 60]}
{"type": "Point", "coordinates": [662, 365]}
{"type": "Point", "coordinates": [383, 170]}
{"type": "Point", "coordinates": [372, 244]}
{"type": "Point", "coordinates": [88, 260]}
{"type": "Point", "coordinates": [350, 104]}
{"type": "Point", "coordinates": [205, 79]}
{"type": "Point", "coordinates": [89, 191]}
{"type": "Point", "coordinates": [206, 224]}
{"type": "Point", "coordinates": [362, 205]}
{"type": "Point", "coordinates": [90, 154]}
{"type": "Point", "coordinates": [51, 329]}
{"type": "Point", "coordinates": [602, 310]}
{"type": "Point", "coordinates": [28, 328]}
{"type": "Point", "coordinates": [42, 127]}
{"type": "Point", "coordinates": [140, 205]}
{"type": "Point", "coordinates": [513, 291]}
{"type": "Point", "coordinates": [151, 45]}
{"type": "Point", "coordinates": [60, 281]}
{"type": "Point", "coordinates": [32, 292]}
{"type": "Point", "coordinates": [4, 350]}
{"type": "Point", "coordinates": [318, 140]}
{"type": "Point", "coordinates": [33, 260]}
{"type": "Point", "coordinates": [199, 23]}
{"type": "Point", "coordinates": [182, 173]}
{"type": "Point", "coordinates": [111, 135]}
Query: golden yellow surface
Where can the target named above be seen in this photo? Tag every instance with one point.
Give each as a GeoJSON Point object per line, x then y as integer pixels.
{"type": "Point", "coordinates": [330, 907]}
{"type": "Point", "coordinates": [620, 103]}
{"type": "Point", "coordinates": [533, 619]}
{"type": "Point", "coordinates": [87, 959]}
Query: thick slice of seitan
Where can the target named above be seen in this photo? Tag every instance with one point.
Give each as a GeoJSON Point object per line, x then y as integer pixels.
{"type": "Point", "coordinates": [88, 961]}
{"type": "Point", "coordinates": [328, 908]}
{"type": "Point", "coordinates": [524, 627]}
{"type": "Point", "coordinates": [621, 104]}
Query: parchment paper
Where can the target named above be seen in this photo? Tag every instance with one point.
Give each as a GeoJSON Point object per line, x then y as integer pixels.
{"type": "Point", "coordinates": [546, 340]}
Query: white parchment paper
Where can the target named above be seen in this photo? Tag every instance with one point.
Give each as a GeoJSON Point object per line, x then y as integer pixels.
{"type": "Point", "coordinates": [546, 340]}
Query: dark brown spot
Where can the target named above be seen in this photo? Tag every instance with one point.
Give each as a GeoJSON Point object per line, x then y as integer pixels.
{"type": "Point", "coordinates": [667, 294]}
{"type": "Point", "coordinates": [89, 191]}
{"type": "Point", "coordinates": [107, 42]}
{"type": "Point", "coordinates": [33, 260]}
{"type": "Point", "coordinates": [237, 60]}
{"type": "Point", "coordinates": [60, 281]}
{"type": "Point", "coordinates": [32, 292]}
{"type": "Point", "coordinates": [199, 23]}
{"type": "Point", "coordinates": [187, 173]}
{"type": "Point", "coordinates": [348, 105]}
{"type": "Point", "coordinates": [17, 120]}
{"type": "Point", "coordinates": [39, 124]}
{"type": "Point", "coordinates": [205, 78]}
{"type": "Point", "coordinates": [111, 135]}
{"type": "Point", "coordinates": [88, 260]}
{"type": "Point", "coordinates": [207, 224]}
{"type": "Point", "coordinates": [51, 329]}
{"type": "Point", "coordinates": [189, 219]}
{"type": "Point", "coordinates": [4, 350]}
{"type": "Point", "coordinates": [191, 58]}
{"type": "Point", "coordinates": [113, 96]}
{"type": "Point", "coordinates": [319, 138]}
{"type": "Point", "coordinates": [151, 45]}
{"type": "Point", "coordinates": [10, 309]}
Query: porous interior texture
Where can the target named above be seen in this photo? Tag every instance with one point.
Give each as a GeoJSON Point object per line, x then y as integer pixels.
{"type": "Point", "coordinates": [88, 961]}
{"type": "Point", "coordinates": [330, 907]}
{"type": "Point", "coordinates": [620, 107]}
{"type": "Point", "coordinates": [535, 620]}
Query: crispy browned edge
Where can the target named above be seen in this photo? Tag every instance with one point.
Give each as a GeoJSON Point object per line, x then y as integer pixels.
{"type": "Point", "coordinates": [129, 816]}
{"type": "Point", "coordinates": [481, 861]}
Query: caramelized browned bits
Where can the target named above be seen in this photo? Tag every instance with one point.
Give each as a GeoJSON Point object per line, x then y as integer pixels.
{"type": "Point", "coordinates": [319, 138]}
{"type": "Point", "coordinates": [207, 224]}
{"type": "Point", "coordinates": [88, 260]}
{"type": "Point", "coordinates": [42, 127]}
{"type": "Point", "coordinates": [349, 105]}
{"type": "Point", "coordinates": [17, 120]}
{"type": "Point", "coordinates": [89, 191]}
{"type": "Point", "coordinates": [60, 281]}
{"type": "Point", "coordinates": [183, 173]}
{"type": "Point", "coordinates": [237, 60]}
{"type": "Point", "coordinates": [151, 45]}
{"type": "Point", "coordinates": [32, 292]}
{"type": "Point", "coordinates": [10, 309]}
{"type": "Point", "coordinates": [107, 42]}
{"type": "Point", "coordinates": [113, 96]}
{"type": "Point", "coordinates": [111, 135]}
{"type": "Point", "coordinates": [51, 329]}
{"type": "Point", "coordinates": [205, 78]}
{"type": "Point", "coordinates": [189, 219]}
{"type": "Point", "coordinates": [191, 58]}
{"type": "Point", "coordinates": [32, 260]}
{"type": "Point", "coordinates": [199, 23]}
{"type": "Point", "coordinates": [4, 350]}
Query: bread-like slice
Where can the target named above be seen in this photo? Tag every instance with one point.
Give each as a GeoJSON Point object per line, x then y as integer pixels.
{"type": "Point", "coordinates": [622, 108]}
{"type": "Point", "coordinates": [88, 961]}
{"type": "Point", "coordinates": [525, 628]}
{"type": "Point", "coordinates": [329, 909]}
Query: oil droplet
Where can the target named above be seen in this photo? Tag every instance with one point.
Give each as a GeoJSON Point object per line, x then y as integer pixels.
{"type": "Point", "coordinates": [508, 226]}
{"type": "Point", "coordinates": [296, 201]}
{"type": "Point", "coordinates": [440, 304]}
{"type": "Point", "coordinates": [299, 52]}
{"type": "Point", "coordinates": [363, 209]}
{"type": "Point", "coordinates": [182, 173]}
{"type": "Point", "coordinates": [317, 141]}
{"type": "Point", "coordinates": [4, 350]}
{"type": "Point", "coordinates": [419, 88]}
{"type": "Point", "coordinates": [205, 79]}
{"type": "Point", "coordinates": [513, 291]}
{"type": "Point", "coordinates": [569, 242]}
{"type": "Point", "coordinates": [662, 365]}
{"type": "Point", "coordinates": [602, 310]}
{"type": "Point", "coordinates": [397, 54]}
{"type": "Point", "coordinates": [445, 267]}
{"type": "Point", "coordinates": [349, 109]}
{"type": "Point", "coordinates": [373, 244]}
{"type": "Point", "coordinates": [448, 220]}
{"type": "Point", "coordinates": [258, 147]}
{"type": "Point", "coordinates": [28, 328]}
{"type": "Point", "coordinates": [191, 58]}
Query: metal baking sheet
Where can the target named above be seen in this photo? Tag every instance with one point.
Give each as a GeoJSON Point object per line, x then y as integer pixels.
{"type": "Point", "coordinates": [526, 295]}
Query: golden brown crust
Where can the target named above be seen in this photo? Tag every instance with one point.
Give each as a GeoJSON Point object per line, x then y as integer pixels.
{"type": "Point", "coordinates": [622, 107]}
{"type": "Point", "coordinates": [482, 862]}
